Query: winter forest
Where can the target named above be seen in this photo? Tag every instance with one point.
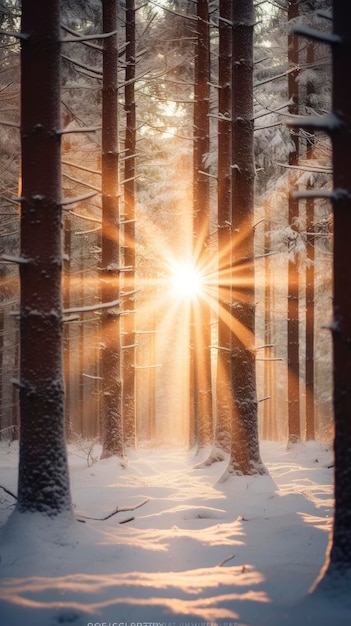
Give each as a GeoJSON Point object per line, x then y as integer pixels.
{"type": "Point", "coordinates": [175, 319]}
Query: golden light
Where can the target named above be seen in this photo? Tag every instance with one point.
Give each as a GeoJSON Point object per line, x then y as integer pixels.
{"type": "Point", "coordinates": [186, 281]}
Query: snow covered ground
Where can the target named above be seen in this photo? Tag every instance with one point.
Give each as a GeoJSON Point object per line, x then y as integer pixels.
{"type": "Point", "coordinates": [196, 552]}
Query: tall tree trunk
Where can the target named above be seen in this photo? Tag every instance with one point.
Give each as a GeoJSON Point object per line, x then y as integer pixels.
{"type": "Point", "coordinates": [224, 397]}
{"type": "Point", "coordinates": [221, 444]}
{"type": "Point", "coordinates": [294, 432]}
{"type": "Point", "coordinates": [340, 555]}
{"type": "Point", "coordinates": [201, 329]}
{"type": "Point", "coordinates": [244, 454]}
{"type": "Point", "coordinates": [310, 239]}
{"type": "Point", "coordinates": [43, 484]}
{"type": "Point", "coordinates": [129, 232]}
{"type": "Point", "coordinates": [112, 426]}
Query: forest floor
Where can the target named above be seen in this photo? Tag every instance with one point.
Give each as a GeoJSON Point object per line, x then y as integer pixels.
{"type": "Point", "coordinates": [195, 552]}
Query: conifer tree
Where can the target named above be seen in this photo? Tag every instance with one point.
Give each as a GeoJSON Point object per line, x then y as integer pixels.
{"type": "Point", "coordinates": [244, 453]}
{"type": "Point", "coordinates": [43, 484]}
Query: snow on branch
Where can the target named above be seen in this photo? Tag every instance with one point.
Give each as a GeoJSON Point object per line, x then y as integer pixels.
{"type": "Point", "coordinates": [82, 129]}
{"type": "Point", "coordinates": [310, 33]}
{"type": "Point", "coordinates": [14, 259]}
{"type": "Point", "coordinates": [318, 169]}
{"type": "Point", "coordinates": [78, 198]}
{"type": "Point", "coordinates": [329, 122]}
{"type": "Point", "coordinates": [7, 123]}
{"type": "Point", "coordinates": [97, 73]}
{"type": "Point", "coordinates": [81, 167]}
{"type": "Point", "coordinates": [83, 38]}
{"type": "Point", "coordinates": [89, 218]}
{"type": "Point", "coordinates": [92, 307]}
{"type": "Point", "coordinates": [313, 193]}
{"type": "Point", "coordinates": [22, 36]}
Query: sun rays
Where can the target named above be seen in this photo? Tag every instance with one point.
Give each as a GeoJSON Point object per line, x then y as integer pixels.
{"type": "Point", "coordinates": [174, 285]}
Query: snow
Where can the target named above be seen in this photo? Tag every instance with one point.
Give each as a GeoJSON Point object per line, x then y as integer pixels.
{"type": "Point", "coordinates": [196, 551]}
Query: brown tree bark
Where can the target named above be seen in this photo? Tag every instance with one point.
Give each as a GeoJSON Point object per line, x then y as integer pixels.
{"type": "Point", "coordinates": [43, 484]}
{"type": "Point", "coordinates": [129, 232]}
{"type": "Point", "coordinates": [244, 454]}
{"type": "Point", "coordinates": [111, 418]}
{"type": "Point", "coordinates": [201, 330]}
{"type": "Point", "coordinates": [340, 554]}
{"type": "Point", "coordinates": [294, 430]}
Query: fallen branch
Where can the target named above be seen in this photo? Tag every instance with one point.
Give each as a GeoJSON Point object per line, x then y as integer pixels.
{"type": "Point", "coordinates": [8, 492]}
{"type": "Point", "coordinates": [117, 510]}
{"type": "Point", "coordinates": [229, 558]}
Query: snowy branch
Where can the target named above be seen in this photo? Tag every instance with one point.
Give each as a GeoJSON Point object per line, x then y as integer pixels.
{"type": "Point", "coordinates": [6, 123]}
{"type": "Point", "coordinates": [329, 122]}
{"type": "Point", "coordinates": [78, 198]}
{"type": "Point", "coordinates": [308, 168]}
{"type": "Point", "coordinates": [313, 193]}
{"type": "Point", "coordinates": [82, 129]}
{"type": "Point", "coordinates": [87, 37]}
{"type": "Point", "coordinates": [81, 167]}
{"type": "Point", "coordinates": [22, 36]}
{"type": "Point", "coordinates": [93, 307]}
{"type": "Point", "coordinates": [310, 33]}
{"type": "Point", "coordinates": [14, 259]}
{"type": "Point", "coordinates": [98, 73]}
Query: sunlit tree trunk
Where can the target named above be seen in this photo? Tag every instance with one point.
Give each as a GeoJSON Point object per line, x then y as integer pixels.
{"type": "Point", "coordinates": [112, 426]}
{"type": "Point", "coordinates": [201, 330]}
{"type": "Point", "coordinates": [293, 270]}
{"type": "Point", "coordinates": [244, 453]}
{"type": "Point", "coordinates": [43, 484]}
{"type": "Point", "coordinates": [129, 232]}
{"type": "Point", "coordinates": [223, 377]}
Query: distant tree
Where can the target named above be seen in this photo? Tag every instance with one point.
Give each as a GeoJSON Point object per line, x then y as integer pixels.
{"type": "Point", "coordinates": [310, 430]}
{"type": "Point", "coordinates": [294, 433]}
{"type": "Point", "coordinates": [244, 454]}
{"type": "Point", "coordinates": [43, 484]}
{"type": "Point", "coordinates": [129, 352]}
{"type": "Point", "coordinates": [111, 419]}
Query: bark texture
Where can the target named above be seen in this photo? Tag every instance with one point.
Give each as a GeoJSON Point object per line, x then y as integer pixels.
{"type": "Point", "coordinates": [43, 484]}
{"type": "Point", "coordinates": [245, 455]}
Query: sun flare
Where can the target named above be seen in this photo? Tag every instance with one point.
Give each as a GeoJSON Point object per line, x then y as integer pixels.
{"type": "Point", "coordinates": [186, 281]}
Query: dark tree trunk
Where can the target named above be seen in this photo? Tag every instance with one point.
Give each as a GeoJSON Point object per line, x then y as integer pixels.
{"type": "Point", "coordinates": [244, 455]}
{"type": "Point", "coordinates": [294, 433]}
{"type": "Point", "coordinates": [43, 484]}
{"type": "Point", "coordinates": [224, 397]}
{"type": "Point", "coordinates": [129, 232]}
{"type": "Point", "coordinates": [310, 239]}
{"type": "Point", "coordinates": [201, 330]}
{"type": "Point", "coordinates": [340, 555]}
{"type": "Point", "coordinates": [112, 426]}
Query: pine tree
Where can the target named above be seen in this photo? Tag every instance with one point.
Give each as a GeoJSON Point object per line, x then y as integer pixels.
{"type": "Point", "coordinates": [43, 484]}
{"type": "Point", "coordinates": [244, 454]}
{"type": "Point", "coordinates": [112, 424]}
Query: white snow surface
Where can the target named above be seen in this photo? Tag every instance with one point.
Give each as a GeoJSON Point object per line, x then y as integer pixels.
{"type": "Point", "coordinates": [198, 552]}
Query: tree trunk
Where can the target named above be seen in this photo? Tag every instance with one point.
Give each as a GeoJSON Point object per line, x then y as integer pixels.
{"type": "Point", "coordinates": [310, 239]}
{"type": "Point", "coordinates": [200, 324]}
{"type": "Point", "coordinates": [244, 454]}
{"type": "Point", "coordinates": [223, 377]}
{"type": "Point", "coordinates": [340, 555]}
{"type": "Point", "coordinates": [129, 232]}
{"type": "Point", "coordinates": [112, 427]}
{"type": "Point", "coordinates": [294, 432]}
{"type": "Point", "coordinates": [43, 483]}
